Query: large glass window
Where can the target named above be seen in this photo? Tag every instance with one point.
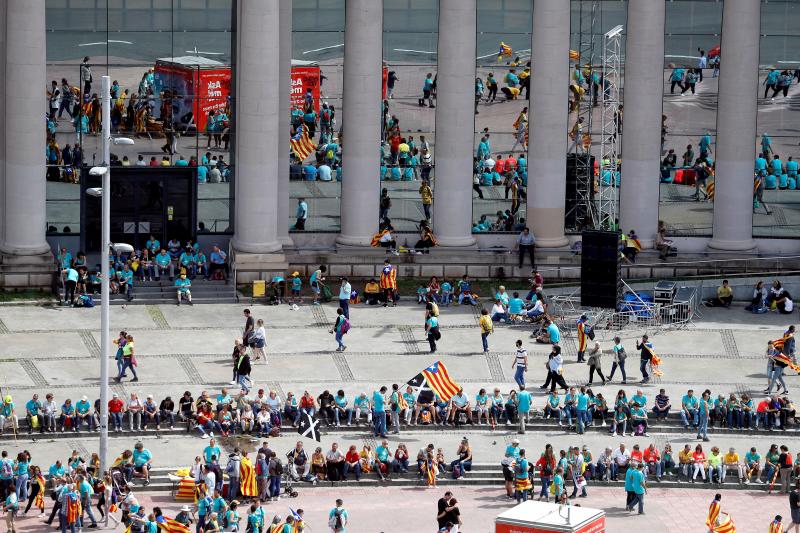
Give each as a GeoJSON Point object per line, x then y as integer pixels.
{"type": "Point", "coordinates": [317, 62]}
{"type": "Point", "coordinates": [776, 211]}
{"type": "Point", "coordinates": [171, 63]}
{"type": "Point", "coordinates": [688, 147]}
{"type": "Point", "coordinates": [408, 177]}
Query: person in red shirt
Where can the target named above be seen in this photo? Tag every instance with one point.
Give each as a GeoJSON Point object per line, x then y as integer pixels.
{"type": "Point", "coordinates": [511, 163]}
{"type": "Point", "coordinates": [308, 404]}
{"type": "Point", "coordinates": [115, 408]}
{"type": "Point", "coordinates": [653, 461]}
{"type": "Point", "coordinates": [500, 165]}
{"type": "Point", "coordinates": [636, 455]}
{"type": "Point", "coordinates": [352, 462]}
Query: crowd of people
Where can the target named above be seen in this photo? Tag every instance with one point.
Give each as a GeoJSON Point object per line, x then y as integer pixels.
{"type": "Point", "coordinates": [178, 262]}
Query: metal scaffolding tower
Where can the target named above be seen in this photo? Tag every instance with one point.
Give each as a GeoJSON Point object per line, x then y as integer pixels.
{"type": "Point", "coordinates": [584, 206]}
{"type": "Point", "coordinates": [610, 83]}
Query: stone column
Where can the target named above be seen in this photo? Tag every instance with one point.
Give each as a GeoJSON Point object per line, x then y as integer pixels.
{"type": "Point", "coordinates": [285, 70]}
{"type": "Point", "coordinates": [547, 166]}
{"type": "Point", "coordinates": [736, 126]}
{"type": "Point", "coordinates": [363, 61]}
{"type": "Point", "coordinates": [641, 142]}
{"type": "Point", "coordinates": [23, 208]}
{"type": "Point", "coordinates": [455, 123]}
{"type": "Point", "coordinates": [257, 127]}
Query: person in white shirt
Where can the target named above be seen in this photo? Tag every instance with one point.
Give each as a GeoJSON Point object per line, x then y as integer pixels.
{"type": "Point", "coordinates": [49, 408]}
{"type": "Point", "coordinates": [324, 172]}
{"type": "Point", "coordinates": [499, 312]}
{"type": "Point", "coordinates": [259, 341]}
{"type": "Point", "coordinates": [344, 297]}
{"type": "Point", "coordinates": [620, 457]}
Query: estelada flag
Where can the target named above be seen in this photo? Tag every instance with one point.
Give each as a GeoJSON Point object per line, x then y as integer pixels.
{"type": "Point", "coordinates": [301, 144]}
{"type": "Point", "coordinates": [437, 379]}
{"type": "Point", "coordinates": [713, 513]}
{"type": "Point", "coordinates": [783, 358]}
{"type": "Point", "coordinates": [505, 51]}
{"type": "Point", "coordinates": [775, 527]}
{"type": "Point", "coordinates": [73, 508]}
{"type": "Point", "coordinates": [725, 525]}
{"type": "Point", "coordinates": [170, 525]}
{"type": "Point", "coordinates": [779, 343]}
{"type": "Point", "coordinates": [249, 487]}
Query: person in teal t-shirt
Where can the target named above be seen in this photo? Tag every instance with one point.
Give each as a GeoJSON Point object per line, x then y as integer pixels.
{"type": "Point", "coordinates": [182, 287]}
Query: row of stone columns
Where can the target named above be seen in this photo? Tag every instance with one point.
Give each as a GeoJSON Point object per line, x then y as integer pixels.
{"type": "Point", "coordinates": [264, 55]}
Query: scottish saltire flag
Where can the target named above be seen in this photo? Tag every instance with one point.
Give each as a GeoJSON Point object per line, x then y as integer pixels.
{"type": "Point", "coordinates": [309, 427]}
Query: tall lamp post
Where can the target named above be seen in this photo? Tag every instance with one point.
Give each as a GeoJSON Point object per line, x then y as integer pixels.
{"type": "Point", "coordinates": [104, 193]}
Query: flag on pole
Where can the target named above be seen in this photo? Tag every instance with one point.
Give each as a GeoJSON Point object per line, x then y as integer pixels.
{"type": "Point", "coordinates": [435, 379]}
{"type": "Point", "coordinates": [309, 427]}
{"type": "Point", "coordinates": [301, 144]}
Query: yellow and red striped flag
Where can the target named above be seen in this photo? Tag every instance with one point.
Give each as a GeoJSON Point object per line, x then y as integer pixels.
{"type": "Point", "coordinates": [440, 382]}
{"type": "Point", "coordinates": [73, 509]}
{"type": "Point", "coordinates": [39, 501]}
{"type": "Point", "coordinates": [301, 143]}
{"type": "Point", "coordinates": [713, 513]}
{"type": "Point", "coordinates": [725, 525]}
{"type": "Point", "coordinates": [775, 527]}
{"type": "Point", "coordinates": [186, 490]}
{"type": "Point", "coordinates": [170, 525]}
{"type": "Point", "coordinates": [249, 486]}
{"type": "Point", "coordinates": [783, 358]}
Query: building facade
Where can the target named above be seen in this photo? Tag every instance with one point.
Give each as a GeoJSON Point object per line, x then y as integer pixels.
{"type": "Point", "coordinates": [733, 113]}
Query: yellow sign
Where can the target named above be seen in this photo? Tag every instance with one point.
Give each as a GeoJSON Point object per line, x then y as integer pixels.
{"type": "Point", "coordinates": [259, 288]}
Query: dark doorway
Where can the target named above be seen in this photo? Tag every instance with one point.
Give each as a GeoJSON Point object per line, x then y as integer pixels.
{"type": "Point", "coordinates": [144, 201]}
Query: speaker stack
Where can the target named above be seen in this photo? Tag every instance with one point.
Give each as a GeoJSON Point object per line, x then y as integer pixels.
{"type": "Point", "coordinates": [601, 273]}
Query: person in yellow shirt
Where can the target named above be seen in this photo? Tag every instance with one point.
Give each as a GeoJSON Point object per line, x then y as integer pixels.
{"type": "Point", "coordinates": [685, 461]}
{"type": "Point", "coordinates": [724, 296]}
{"type": "Point", "coordinates": [487, 327]}
{"type": "Point", "coordinates": [426, 193]}
{"type": "Point", "coordinates": [372, 292]}
{"type": "Point", "coordinates": [731, 461]}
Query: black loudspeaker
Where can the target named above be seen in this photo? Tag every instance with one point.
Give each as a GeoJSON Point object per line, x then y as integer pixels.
{"type": "Point", "coordinates": [579, 194]}
{"type": "Point", "coordinates": [601, 279]}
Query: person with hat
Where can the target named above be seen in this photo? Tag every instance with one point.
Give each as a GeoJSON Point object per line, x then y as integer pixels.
{"type": "Point", "coordinates": [8, 414]}
{"type": "Point", "coordinates": [297, 285]}
{"type": "Point", "coordinates": [184, 516]}
{"type": "Point", "coordinates": [83, 414]}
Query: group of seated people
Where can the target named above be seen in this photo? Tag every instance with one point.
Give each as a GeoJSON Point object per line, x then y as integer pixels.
{"type": "Point", "coordinates": [504, 221]}
{"type": "Point", "coordinates": [579, 465]}
{"type": "Point", "coordinates": [635, 414]}
{"type": "Point", "coordinates": [338, 465]}
{"type": "Point", "coordinates": [776, 299]}
{"type": "Point", "coordinates": [148, 264]}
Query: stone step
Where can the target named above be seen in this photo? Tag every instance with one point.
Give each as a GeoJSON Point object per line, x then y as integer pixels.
{"type": "Point", "coordinates": [672, 426]}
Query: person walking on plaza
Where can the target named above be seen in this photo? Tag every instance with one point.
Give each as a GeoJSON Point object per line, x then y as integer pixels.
{"type": "Point", "coordinates": [520, 365]}
{"type": "Point", "coordinates": [426, 194]}
{"type": "Point", "coordinates": [389, 283]}
{"type": "Point", "coordinates": [583, 336]}
{"type": "Point", "coordinates": [487, 327]}
{"type": "Point", "coordinates": [344, 297]}
{"type": "Point", "coordinates": [646, 355]}
{"type": "Point", "coordinates": [794, 506]}
{"type": "Point", "coordinates": [338, 518]}
{"type": "Point", "coordinates": [526, 243]}
{"type": "Point", "coordinates": [427, 91]}
{"type": "Point", "coordinates": [340, 328]}
{"type": "Point", "coordinates": [594, 363]}
{"type": "Point", "coordinates": [637, 486]}
{"type": "Point", "coordinates": [432, 330]}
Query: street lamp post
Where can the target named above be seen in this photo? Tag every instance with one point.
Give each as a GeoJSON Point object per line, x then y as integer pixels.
{"type": "Point", "coordinates": [104, 192]}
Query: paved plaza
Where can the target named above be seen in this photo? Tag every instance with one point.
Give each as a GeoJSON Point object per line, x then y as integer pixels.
{"type": "Point", "coordinates": [51, 349]}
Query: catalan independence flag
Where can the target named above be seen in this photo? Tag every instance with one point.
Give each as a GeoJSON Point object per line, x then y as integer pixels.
{"type": "Point", "coordinates": [713, 513]}
{"type": "Point", "coordinates": [170, 525]}
{"type": "Point", "coordinates": [504, 51]}
{"type": "Point", "coordinates": [301, 144]}
{"type": "Point", "coordinates": [249, 487]}
{"type": "Point", "coordinates": [775, 527]}
{"type": "Point", "coordinates": [725, 525]}
{"type": "Point", "coordinates": [440, 382]}
{"type": "Point", "coordinates": [783, 358]}
{"type": "Point", "coordinates": [779, 343]}
{"type": "Point", "coordinates": [73, 508]}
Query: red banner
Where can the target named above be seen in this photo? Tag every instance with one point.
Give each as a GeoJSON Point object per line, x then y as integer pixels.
{"type": "Point", "coordinates": [213, 89]}
{"type": "Point", "coordinates": [303, 79]}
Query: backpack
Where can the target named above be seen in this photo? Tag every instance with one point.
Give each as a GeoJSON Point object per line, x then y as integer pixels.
{"type": "Point", "coordinates": [589, 330]}
{"type": "Point", "coordinates": [326, 116]}
{"type": "Point", "coordinates": [259, 469]}
{"type": "Point", "coordinates": [335, 521]}
{"type": "Point", "coordinates": [456, 471]}
{"type": "Point", "coordinates": [639, 430]}
{"type": "Point", "coordinates": [6, 470]}
{"type": "Point", "coordinates": [425, 417]}
{"type": "Point", "coordinates": [278, 468]}
{"type": "Point", "coordinates": [345, 326]}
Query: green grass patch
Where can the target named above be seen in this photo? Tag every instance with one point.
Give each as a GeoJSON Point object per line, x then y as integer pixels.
{"type": "Point", "coordinates": [26, 294]}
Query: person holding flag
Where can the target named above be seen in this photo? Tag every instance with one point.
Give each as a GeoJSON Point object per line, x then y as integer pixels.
{"type": "Point", "coordinates": [504, 51]}
{"type": "Point", "coordinates": [583, 336]}
{"type": "Point", "coordinates": [713, 512]}
{"type": "Point", "coordinates": [249, 486]}
{"type": "Point", "coordinates": [646, 355]}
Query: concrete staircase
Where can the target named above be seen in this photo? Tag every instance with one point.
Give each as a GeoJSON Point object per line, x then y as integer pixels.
{"type": "Point", "coordinates": [163, 292]}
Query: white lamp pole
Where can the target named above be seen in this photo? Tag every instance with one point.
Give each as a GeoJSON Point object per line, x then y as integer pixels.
{"type": "Point", "coordinates": [105, 243]}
